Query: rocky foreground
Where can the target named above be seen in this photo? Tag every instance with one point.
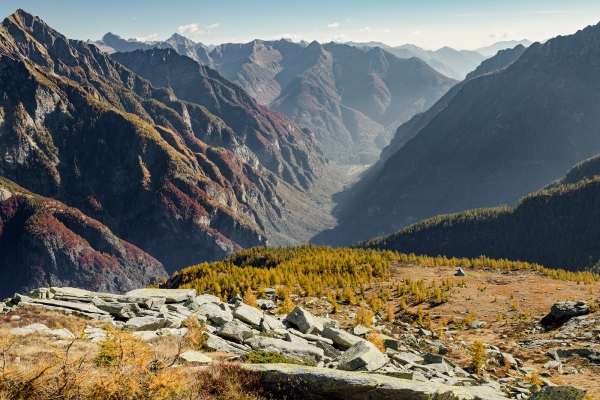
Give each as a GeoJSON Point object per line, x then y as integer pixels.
{"type": "Point", "coordinates": [336, 362]}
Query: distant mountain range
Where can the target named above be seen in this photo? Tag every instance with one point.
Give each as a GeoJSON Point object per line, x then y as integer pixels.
{"type": "Point", "coordinates": [130, 168]}
{"type": "Point", "coordinates": [500, 136]}
{"type": "Point", "coordinates": [556, 227]}
{"type": "Point", "coordinates": [489, 51]}
{"type": "Point", "coordinates": [111, 43]}
{"type": "Point", "coordinates": [352, 99]}
{"type": "Point", "coordinates": [453, 63]}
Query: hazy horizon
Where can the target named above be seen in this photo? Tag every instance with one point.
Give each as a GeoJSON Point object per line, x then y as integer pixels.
{"type": "Point", "coordinates": [430, 25]}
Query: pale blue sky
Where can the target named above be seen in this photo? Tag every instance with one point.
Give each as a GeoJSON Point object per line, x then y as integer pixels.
{"type": "Point", "coordinates": [462, 24]}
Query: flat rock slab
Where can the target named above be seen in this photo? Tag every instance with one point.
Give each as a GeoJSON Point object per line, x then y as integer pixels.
{"type": "Point", "coordinates": [298, 351]}
{"type": "Point", "coordinates": [215, 343]}
{"type": "Point", "coordinates": [146, 323]}
{"type": "Point", "coordinates": [558, 393]}
{"type": "Point", "coordinates": [83, 307]}
{"type": "Point", "coordinates": [170, 295]}
{"type": "Point", "coordinates": [340, 337]}
{"type": "Point", "coordinates": [313, 383]}
{"type": "Point", "coordinates": [248, 314]}
{"type": "Point", "coordinates": [195, 357]}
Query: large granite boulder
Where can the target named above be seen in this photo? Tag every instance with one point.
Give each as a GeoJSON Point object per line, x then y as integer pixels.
{"type": "Point", "coordinates": [248, 314]}
{"type": "Point", "coordinates": [305, 321]}
{"type": "Point", "coordinates": [214, 313]}
{"type": "Point", "coordinates": [340, 337]}
{"type": "Point", "coordinates": [362, 356]}
{"type": "Point", "coordinates": [235, 330]}
{"type": "Point", "coordinates": [566, 309]}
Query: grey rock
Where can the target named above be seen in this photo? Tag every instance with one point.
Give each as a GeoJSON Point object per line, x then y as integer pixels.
{"type": "Point", "coordinates": [409, 340]}
{"type": "Point", "coordinates": [340, 337]}
{"type": "Point", "coordinates": [477, 324]}
{"type": "Point", "coordinates": [328, 349]}
{"type": "Point", "coordinates": [235, 330]}
{"type": "Point", "coordinates": [215, 343]}
{"type": "Point", "coordinates": [214, 313]}
{"type": "Point", "coordinates": [266, 304]}
{"type": "Point", "coordinates": [558, 393]}
{"type": "Point", "coordinates": [322, 383]}
{"type": "Point", "coordinates": [170, 295]}
{"type": "Point", "coordinates": [195, 357]}
{"type": "Point", "coordinates": [425, 332]}
{"type": "Point", "coordinates": [83, 307]}
{"type": "Point", "coordinates": [301, 352]}
{"type": "Point", "coordinates": [248, 314]}
{"type": "Point", "coordinates": [120, 310]}
{"type": "Point", "coordinates": [269, 324]}
{"type": "Point", "coordinates": [305, 321]}
{"type": "Point", "coordinates": [407, 358]}
{"type": "Point", "coordinates": [362, 356]}
{"type": "Point", "coordinates": [289, 337]}
{"type": "Point", "coordinates": [29, 329]}
{"type": "Point", "coordinates": [566, 309]}
{"type": "Point", "coordinates": [360, 330]}
{"type": "Point", "coordinates": [328, 322]}
{"type": "Point", "coordinates": [146, 323]}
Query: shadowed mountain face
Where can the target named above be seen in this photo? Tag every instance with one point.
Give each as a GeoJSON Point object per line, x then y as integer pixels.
{"type": "Point", "coordinates": [501, 136]}
{"type": "Point", "coordinates": [556, 227]}
{"type": "Point", "coordinates": [410, 129]}
{"type": "Point", "coordinates": [352, 99]}
{"type": "Point", "coordinates": [166, 175]}
{"type": "Point", "coordinates": [45, 243]}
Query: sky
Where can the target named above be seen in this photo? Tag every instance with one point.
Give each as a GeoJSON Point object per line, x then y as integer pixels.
{"type": "Point", "coordinates": [431, 24]}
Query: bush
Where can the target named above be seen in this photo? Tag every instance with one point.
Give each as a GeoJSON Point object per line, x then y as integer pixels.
{"type": "Point", "coordinates": [477, 352]}
{"type": "Point", "coordinates": [374, 338]}
{"type": "Point", "coordinates": [364, 316]}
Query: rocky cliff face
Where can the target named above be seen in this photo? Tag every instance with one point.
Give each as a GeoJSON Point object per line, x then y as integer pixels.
{"type": "Point", "coordinates": [81, 128]}
{"type": "Point", "coordinates": [45, 243]}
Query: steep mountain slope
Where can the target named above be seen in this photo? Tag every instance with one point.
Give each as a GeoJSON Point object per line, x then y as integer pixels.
{"type": "Point", "coordinates": [354, 98]}
{"type": "Point", "coordinates": [290, 154]}
{"type": "Point", "coordinates": [410, 129]}
{"type": "Point", "coordinates": [410, 51]}
{"type": "Point", "coordinates": [502, 135]}
{"type": "Point", "coordinates": [45, 243]}
{"type": "Point", "coordinates": [556, 227]}
{"type": "Point", "coordinates": [506, 44]}
{"type": "Point", "coordinates": [81, 128]}
{"type": "Point", "coordinates": [112, 43]}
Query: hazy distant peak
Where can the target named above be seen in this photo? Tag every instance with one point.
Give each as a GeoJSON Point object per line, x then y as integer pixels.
{"type": "Point", "coordinates": [507, 44]}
